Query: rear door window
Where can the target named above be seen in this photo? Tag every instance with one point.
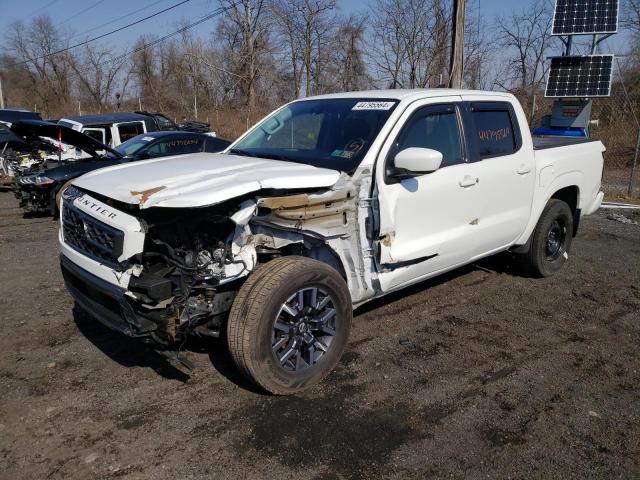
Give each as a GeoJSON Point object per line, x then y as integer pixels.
{"type": "Point", "coordinates": [176, 146]}
{"type": "Point", "coordinates": [130, 130]}
{"type": "Point", "coordinates": [495, 134]}
{"type": "Point", "coordinates": [96, 134]}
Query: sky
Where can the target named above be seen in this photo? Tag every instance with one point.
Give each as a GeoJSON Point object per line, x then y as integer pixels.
{"type": "Point", "coordinates": [87, 18]}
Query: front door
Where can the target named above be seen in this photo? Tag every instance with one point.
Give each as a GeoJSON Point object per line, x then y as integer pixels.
{"type": "Point", "coordinates": [426, 221]}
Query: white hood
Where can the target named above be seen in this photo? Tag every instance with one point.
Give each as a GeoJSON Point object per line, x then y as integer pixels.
{"type": "Point", "coordinates": [200, 179]}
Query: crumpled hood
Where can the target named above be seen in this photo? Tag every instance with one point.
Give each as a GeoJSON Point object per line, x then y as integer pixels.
{"type": "Point", "coordinates": [200, 179]}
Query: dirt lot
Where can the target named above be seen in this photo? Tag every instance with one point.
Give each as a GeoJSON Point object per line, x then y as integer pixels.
{"type": "Point", "coordinates": [480, 374]}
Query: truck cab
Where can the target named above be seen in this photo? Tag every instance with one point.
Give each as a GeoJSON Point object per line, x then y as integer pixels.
{"type": "Point", "coordinates": [111, 129]}
{"type": "Point", "coordinates": [326, 204]}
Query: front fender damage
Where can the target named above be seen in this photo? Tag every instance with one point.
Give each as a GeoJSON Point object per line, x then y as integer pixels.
{"type": "Point", "coordinates": [324, 223]}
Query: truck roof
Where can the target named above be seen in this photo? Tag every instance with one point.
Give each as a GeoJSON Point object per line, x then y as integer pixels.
{"type": "Point", "coordinates": [413, 93]}
{"type": "Point", "coordinates": [101, 118]}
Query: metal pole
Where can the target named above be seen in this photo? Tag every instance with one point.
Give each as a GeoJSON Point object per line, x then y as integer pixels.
{"type": "Point", "coordinates": [569, 43]}
{"type": "Point", "coordinates": [1, 94]}
{"type": "Point", "coordinates": [457, 45]}
{"type": "Point", "coordinates": [478, 40]}
{"type": "Point", "coordinates": [633, 165]}
{"type": "Point", "coordinates": [533, 109]}
{"type": "Point", "coordinates": [195, 106]}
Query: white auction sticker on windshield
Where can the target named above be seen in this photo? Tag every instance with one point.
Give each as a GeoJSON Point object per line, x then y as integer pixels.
{"type": "Point", "coordinates": [373, 106]}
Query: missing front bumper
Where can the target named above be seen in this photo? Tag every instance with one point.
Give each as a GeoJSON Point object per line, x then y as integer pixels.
{"type": "Point", "coordinates": [104, 301]}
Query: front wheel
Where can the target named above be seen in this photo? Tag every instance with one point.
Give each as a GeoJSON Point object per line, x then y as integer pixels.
{"type": "Point", "coordinates": [289, 324]}
{"type": "Point", "coordinates": [551, 240]}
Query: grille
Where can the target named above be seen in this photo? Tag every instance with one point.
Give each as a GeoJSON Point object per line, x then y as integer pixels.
{"type": "Point", "coordinates": [90, 236]}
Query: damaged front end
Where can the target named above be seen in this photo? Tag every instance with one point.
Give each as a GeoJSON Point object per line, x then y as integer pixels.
{"type": "Point", "coordinates": [167, 273]}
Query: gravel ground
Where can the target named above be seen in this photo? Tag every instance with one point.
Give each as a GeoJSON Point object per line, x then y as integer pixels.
{"type": "Point", "coordinates": [481, 373]}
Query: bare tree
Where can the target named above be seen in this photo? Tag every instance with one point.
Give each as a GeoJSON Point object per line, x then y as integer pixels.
{"type": "Point", "coordinates": [245, 32]}
{"type": "Point", "coordinates": [410, 41]}
{"type": "Point", "coordinates": [527, 37]}
{"type": "Point", "coordinates": [478, 52]}
{"type": "Point", "coordinates": [97, 69]}
{"type": "Point", "coordinates": [350, 58]}
{"type": "Point", "coordinates": [631, 17]}
{"type": "Point", "coordinates": [304, 28]}
{"type": "Point", "coordinates": [36, 45]}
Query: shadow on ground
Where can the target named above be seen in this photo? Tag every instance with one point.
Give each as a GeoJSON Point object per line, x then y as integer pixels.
{"type": "Point", "coordinates": [125, 351]}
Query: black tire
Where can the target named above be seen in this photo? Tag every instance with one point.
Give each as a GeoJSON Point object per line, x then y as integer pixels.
{"type": "Point", "coordinates": [264, 302]}
{"type": "Point", "coordinates": [550, 241]}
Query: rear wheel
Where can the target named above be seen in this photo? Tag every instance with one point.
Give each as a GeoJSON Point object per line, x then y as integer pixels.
{"type": "Point", "coordinates": [289, 324]}
{"type": "Point", "coordinates": [551, 240]}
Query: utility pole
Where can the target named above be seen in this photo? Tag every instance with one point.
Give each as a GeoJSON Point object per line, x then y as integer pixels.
{"type": "Point", "coordinates": [1, 94]}
{"type": "Point", "coordinates": [457, 45]}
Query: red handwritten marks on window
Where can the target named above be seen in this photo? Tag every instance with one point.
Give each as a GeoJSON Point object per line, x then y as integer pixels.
{"type": "Point", "coordinates": [182, 143]}
{"type": "Point", "coordinates": [494, 135]}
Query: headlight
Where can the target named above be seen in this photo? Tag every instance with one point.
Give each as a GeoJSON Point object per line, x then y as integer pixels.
{"type": "Point", "coordinates": [38, 180]}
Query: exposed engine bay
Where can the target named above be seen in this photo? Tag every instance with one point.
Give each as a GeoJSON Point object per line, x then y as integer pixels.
{"type": "Point", "coordinates": [184, 278]}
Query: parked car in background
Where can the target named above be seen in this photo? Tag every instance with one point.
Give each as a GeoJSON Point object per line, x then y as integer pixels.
{"type": "Point", "coordinates": [165, 123]}
{"type": "Point", "coordinates": [326, 204]}
{"type": "Point", "coordinates": [17, 155]}
{"type": "Point", "coordinates": [37, 188]}
{"type": "Point", "coordinates": [112, 129]}
{"type": "Point", "coordinates": [162, 144]}
{"type": "Point", "coordinates": [9, 140]}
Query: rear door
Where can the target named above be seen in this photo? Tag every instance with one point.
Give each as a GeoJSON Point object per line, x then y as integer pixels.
{"type": "Point", "coordinates": [506, 169]}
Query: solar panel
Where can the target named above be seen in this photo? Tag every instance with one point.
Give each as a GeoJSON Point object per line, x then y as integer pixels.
{"type": "Point", "coordinates": [575, 17]}
{"type": "Point", "coordinates": [583, 76]}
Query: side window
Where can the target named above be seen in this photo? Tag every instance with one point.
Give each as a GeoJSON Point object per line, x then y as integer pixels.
{"type": "Point", "coordinates": [176, 146]}
{"type": "Point", "coordinates": [495, 135]}
{"type": "Point", "coordinates": [438, 130]}
{"type": "Point", "coordinates": [95, 133]}
{"type": "Point", "coordinates": [130, 130]}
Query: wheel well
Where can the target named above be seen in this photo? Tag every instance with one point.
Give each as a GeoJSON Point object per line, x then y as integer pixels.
{"type": "Point", "coordinates": [570, 196]}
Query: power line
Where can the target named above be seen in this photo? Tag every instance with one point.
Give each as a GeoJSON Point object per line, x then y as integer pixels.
{"type": "Point", "coordinates": [111, 22]}
{"type": "Point", "coordinates": [42, 9]}
{"type": "Point", "coordinates": [93, 5]}
{"type": "Point", "coordinates": [100, 36]}
{"type": "Point", "coordinates": [157, 41]}
{"type": "Point", "coordinates": [169, 35]}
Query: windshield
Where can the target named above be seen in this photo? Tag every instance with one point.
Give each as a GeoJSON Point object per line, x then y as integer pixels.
{"type": "Point", "coordinates": [133, 145]}
{"type": "Point", "coordinates": [332, 133]}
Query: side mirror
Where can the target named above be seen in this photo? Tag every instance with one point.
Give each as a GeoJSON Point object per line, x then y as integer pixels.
{"type": "Point", "coordinates": [417, 161]}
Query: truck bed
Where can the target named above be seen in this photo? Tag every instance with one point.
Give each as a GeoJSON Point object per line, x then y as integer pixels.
{"type": "Point", "coordinates": [540, 143]}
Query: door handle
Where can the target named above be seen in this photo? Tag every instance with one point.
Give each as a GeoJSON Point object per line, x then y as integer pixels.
{"type": "Point", "coordinates": [468, 181]}
{"type": "Point", "coordinates": [523, 170]}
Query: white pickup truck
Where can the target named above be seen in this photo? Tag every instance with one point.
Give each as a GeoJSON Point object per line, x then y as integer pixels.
{"type": "Point", "coordinates": [327, 203]}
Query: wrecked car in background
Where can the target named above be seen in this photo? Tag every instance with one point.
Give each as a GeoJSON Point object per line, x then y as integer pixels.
{"type": "Point", "coordinates": [326, 204]}
{"type": "Point", "coordinates": [112, 129]}
{"type": "Point", "coordinates": [37, 188]}
{"type": "Point", "coordinates": [17, 155]}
